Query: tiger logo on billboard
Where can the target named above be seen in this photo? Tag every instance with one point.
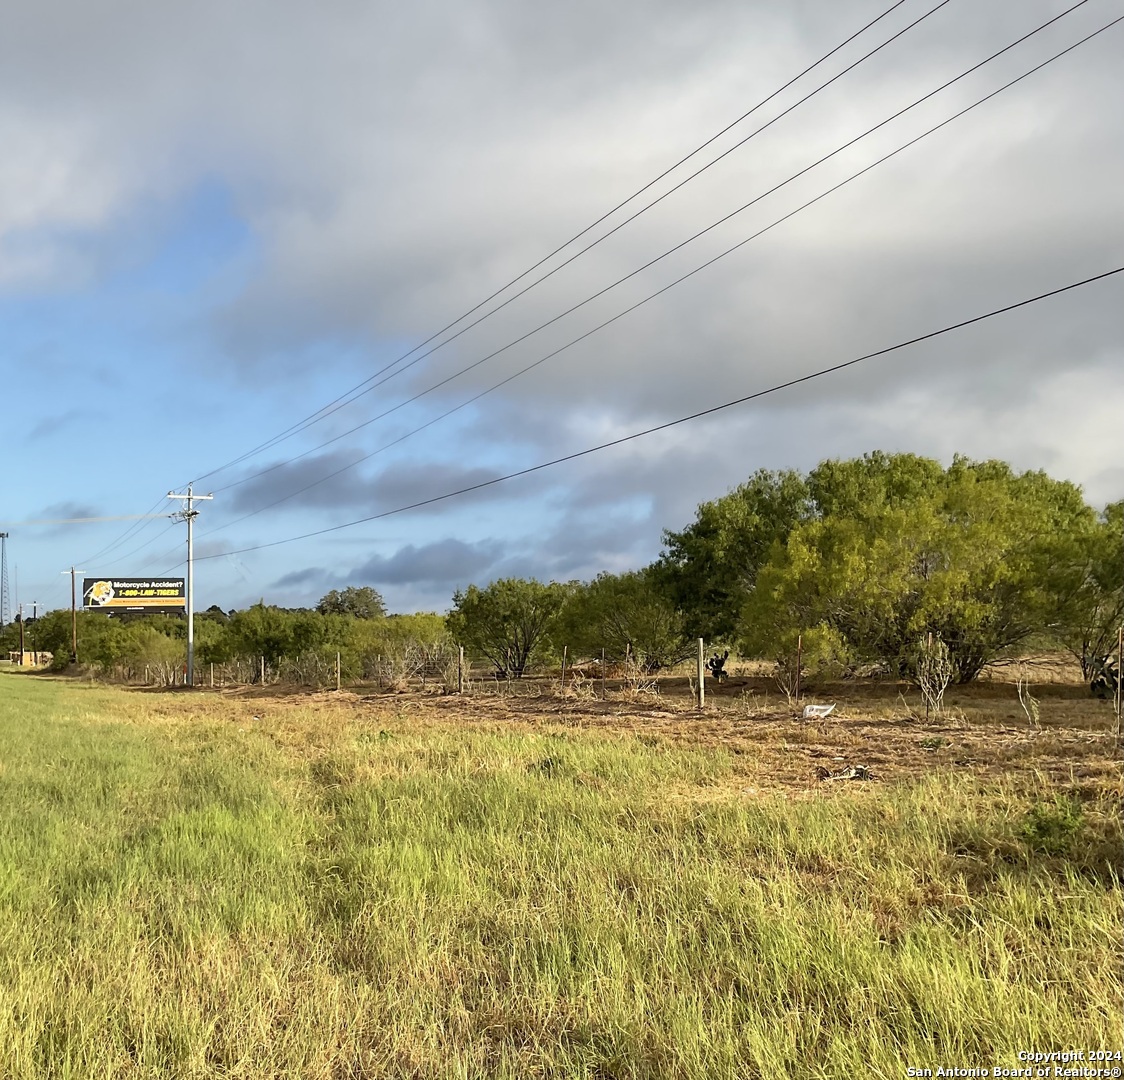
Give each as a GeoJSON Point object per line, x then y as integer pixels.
{"type": "Point", "coordinates": [101, 592]}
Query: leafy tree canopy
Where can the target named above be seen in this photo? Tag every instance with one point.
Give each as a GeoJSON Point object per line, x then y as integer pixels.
{"type": "Point", "coordinates": [619, 611]}
{"type": "Point", "coordinates": [507, 622]}
{"type": "Point", "coordinates": [362, 602]}
{"type": "Point", "coordinates": [1091, 604]}
{"type": "Point", "coordinates": [709, 568]}
{"type": "Point", "coordinates": [897, 547]}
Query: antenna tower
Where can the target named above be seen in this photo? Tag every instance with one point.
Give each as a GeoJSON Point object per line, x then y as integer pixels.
{"type": "Point", "coordinates": [5, 599]}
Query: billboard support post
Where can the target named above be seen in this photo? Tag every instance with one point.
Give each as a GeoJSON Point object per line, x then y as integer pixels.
{"type": "Point", "coordinates": [189, 514]}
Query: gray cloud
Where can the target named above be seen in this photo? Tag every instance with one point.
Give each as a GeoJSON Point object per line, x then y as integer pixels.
{"type": "Point", "coordinates": [397, 485]}
{"type": "Point", "coordinates": [51, 426]}
{"type": "Point", "coordinates": [415, 575]}
{"type": "Point", "coordinates": [443, 562]}
{"type": "Point", "coordinates": [312, 577]}
{"type": "Point", "coordinates": [67, 509]}
{"type": "Point", "coordinates": [395, 165]}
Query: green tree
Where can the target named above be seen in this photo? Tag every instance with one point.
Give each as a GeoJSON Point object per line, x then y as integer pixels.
{"type": "Point", "coordinates": [507, 622]}
{"type": "Point", "coordinates": [898, 548]}
{"type": "Point", "coordinates": [10, 638]}
{"type": "Point", "coordinates": [362, 602]}
{"type": "Point", "coordinates": [213, 639]}
{"type": "Point", "coordinates": [618, 610]}
{"type": "Point", "coordinates": [876, 480]}
{"type": "Point", "coordinates": [1091, 607]}
{"type": "Point", "coordinates": [152, 643]}
{"type": "Point", "coordinates": [274, 633]}
{"type": "Point", "coordinates": [709, 568]}
{"type": "Point", "coordinates": [52, 634]}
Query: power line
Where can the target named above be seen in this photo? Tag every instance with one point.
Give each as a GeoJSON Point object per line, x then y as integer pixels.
{"type": "Point", "coordinates": [665, 288]}
{"type": "Point", "coordinates": [80, 520]}
{"type": "Point", "coordinates": [130, 531]}
{"type": "Point", "coordinates": [147, 543]}
{"type": "Point", "coordinates": [352, 397]}
{"type": "Point", "coordinates": [681, 420]}
{"type": "Point", "coordinates": [347, 397]}
{"type": "Point", "coordinates": [652, 262]}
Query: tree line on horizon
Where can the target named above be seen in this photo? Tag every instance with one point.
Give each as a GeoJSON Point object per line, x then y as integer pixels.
{"type": "Point", "coordinates": [860, 559]}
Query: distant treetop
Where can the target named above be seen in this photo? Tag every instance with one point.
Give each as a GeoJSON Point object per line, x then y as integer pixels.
{"type": "Point", "coordinates": [363, 603]}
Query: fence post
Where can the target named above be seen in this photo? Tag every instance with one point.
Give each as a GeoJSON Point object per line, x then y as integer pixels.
{"type": "Point", "coordinates": [928, 657]}
{"type": "Point", "coordinates": [1119, 682]}
{"type": "Point", "coordinates": [460, 669]}
{"type": "Point", "coordinates": [565, 653]}
{"type": "Point", "coordinates": [799, 663]}
{"type": "Point", "coordinates": [702, 672]}
{"type": "Point", "coordinates": [146, 675]}
{"type": "Point", "coordinates": [212, 675]}
{"type": "Point", "coordinates": [602, 674]}
{"type": "Point", "coordinates": [263, 671]}
{"type": "Point", "coordinates": [337, 672]}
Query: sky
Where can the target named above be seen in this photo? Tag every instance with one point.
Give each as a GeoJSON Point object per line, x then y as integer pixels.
{"type": "Point", "coordinates": [232, 237]}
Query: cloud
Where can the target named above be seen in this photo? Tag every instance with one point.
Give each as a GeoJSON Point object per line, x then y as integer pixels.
{"type": "Point", "coordinates": [310, 576]}
{"type": "Point", "coordinates": [52, 426]}
{"type": "Point", "coordinates": [67, 510]}
{"type": "Point", "coordinates": [430, 571]}
{"type": "Point", "coordinates": [395, 165]}
{"type": "Point", "coordinates": [311, 483]}
{"type": "Point", "coordinates": [442, 562]}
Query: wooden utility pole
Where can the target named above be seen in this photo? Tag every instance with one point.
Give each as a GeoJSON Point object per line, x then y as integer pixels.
{"type": "Point", "coordinates": [21, 635]}
{"type": "Point", "coordinates": [73, 613]}
{"type": "Point", "coordinates": [702, 673]}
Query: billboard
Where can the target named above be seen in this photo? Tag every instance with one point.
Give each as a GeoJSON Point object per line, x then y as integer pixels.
{"type": "Point", "coordinates": [148, 596]}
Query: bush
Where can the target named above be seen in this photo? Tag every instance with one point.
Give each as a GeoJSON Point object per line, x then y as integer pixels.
{"type": "Point", "coordinates": [1051, 828]}
{"type": "Point", "coordinates": [507, 623]}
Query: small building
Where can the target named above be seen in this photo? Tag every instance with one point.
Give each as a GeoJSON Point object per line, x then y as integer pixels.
{"type": "Point", "coordinates": [30, 658]}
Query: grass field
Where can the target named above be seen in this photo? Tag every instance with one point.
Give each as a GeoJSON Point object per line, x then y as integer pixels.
{"type": "Point", "coordinates": [412, 886]}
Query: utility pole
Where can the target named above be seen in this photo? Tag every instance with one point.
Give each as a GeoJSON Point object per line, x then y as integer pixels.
{"type": "Point", "coordinates": [21, 637]}
{"type": "Point", "coordinates": [189, 514]}
{"type": "Point", "coordinates": [73, 614]}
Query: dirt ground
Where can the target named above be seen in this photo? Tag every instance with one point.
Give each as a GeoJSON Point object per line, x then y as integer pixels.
{"type": "Point", "coordinates": [880, 726]}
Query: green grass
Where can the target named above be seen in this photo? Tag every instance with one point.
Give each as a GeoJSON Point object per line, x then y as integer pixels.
{"type": "Point", "coordinates": [184, 893]}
